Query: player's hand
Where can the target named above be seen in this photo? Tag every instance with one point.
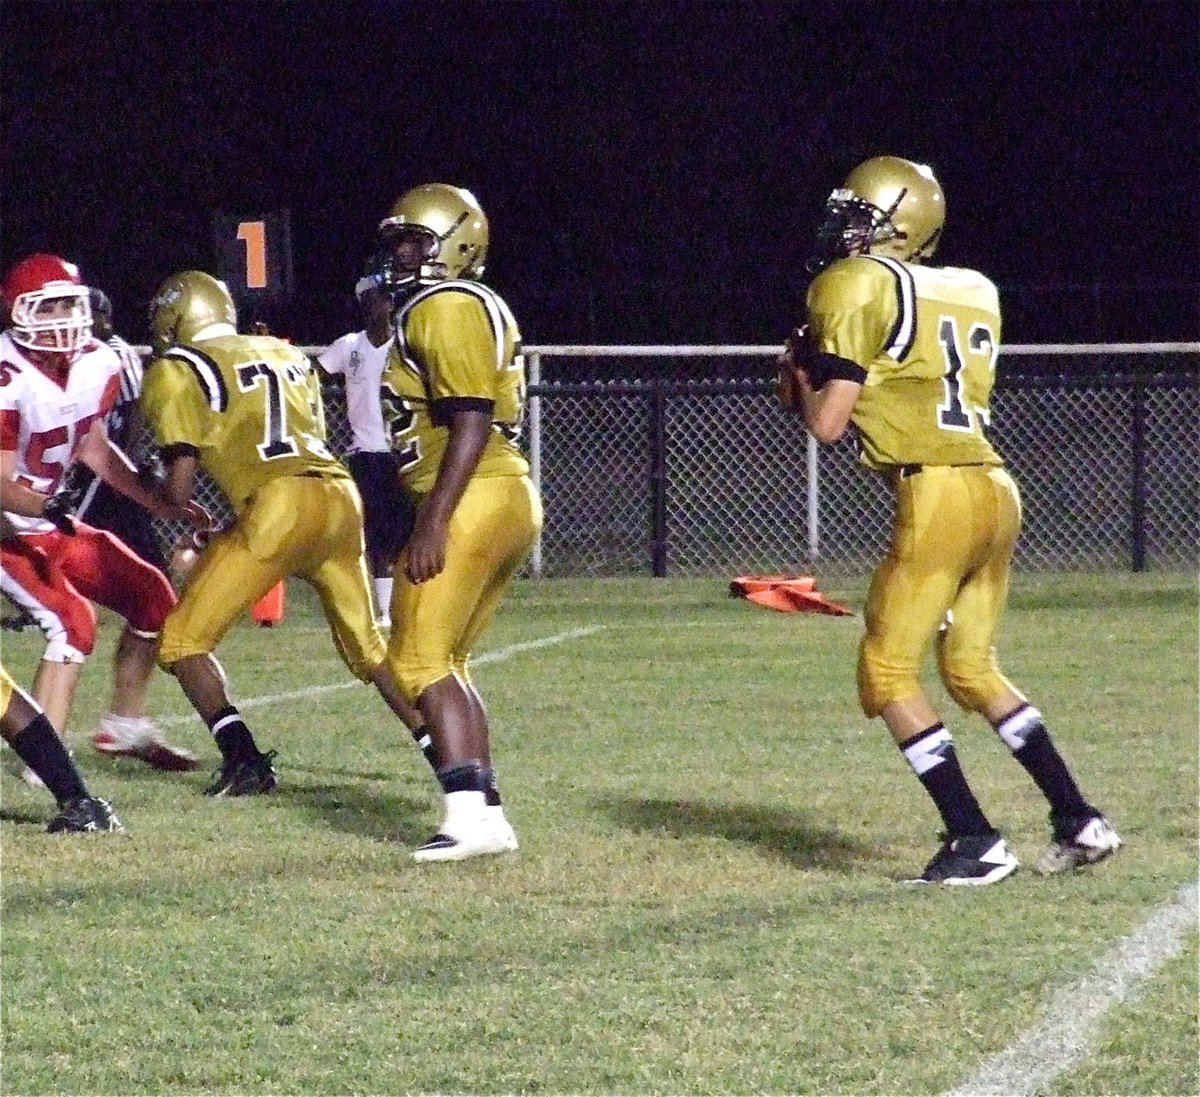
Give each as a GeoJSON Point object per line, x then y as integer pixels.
{"type": "Point", "coordinates": [787, 386]}
{"type": "Point", "coordinates": [796, 343]}
{"type": "Point", "coordinates": [789, 373]}
{"type": "Point", "coordinates": [199, 517]}
{"type": "Point", "coordinates": [425, 554]}
{"type": "Point", "coordinates": [59, 508]}
{"type": "Point", "coordinates": [199, 538]}
{"type": "Point", "coordinates": [799, 367]}
{"type": "Point", "coordinates": [196, 515]}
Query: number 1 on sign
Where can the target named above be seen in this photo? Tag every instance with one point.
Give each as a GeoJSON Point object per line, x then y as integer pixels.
{"type": "Point", "coordinates": [254, 233]}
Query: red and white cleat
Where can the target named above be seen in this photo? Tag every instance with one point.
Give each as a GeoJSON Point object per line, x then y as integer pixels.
{"type": "Point", "coordinates": [138, 737]}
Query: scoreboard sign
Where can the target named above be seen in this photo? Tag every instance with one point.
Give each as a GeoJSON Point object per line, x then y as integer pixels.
{"type": "Point", "coordinates": [254, 256]}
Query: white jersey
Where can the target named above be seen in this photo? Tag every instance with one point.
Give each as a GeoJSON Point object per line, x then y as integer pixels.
{"type": "Point", "coordinates": [362, 363]}
{"type": "Point", "coordinates": [45, 422]}
{"type": "Point", "coordinates": [132, 371]}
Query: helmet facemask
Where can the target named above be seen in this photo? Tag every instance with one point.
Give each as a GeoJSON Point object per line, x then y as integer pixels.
{"type": "Point", "coordinates": [407, 252]}
{"type": "Point", "coordinates": [852, 226]}
{"type": "Point", "coordinates": [56, 319]}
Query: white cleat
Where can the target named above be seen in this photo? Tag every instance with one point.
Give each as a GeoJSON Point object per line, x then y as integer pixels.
{"type": "Point", "coordinates": [480, 842]}
{"type": "Point", "coordinates": [139, 737]}
{"type": "Point", "coordinates": [1077, 843]}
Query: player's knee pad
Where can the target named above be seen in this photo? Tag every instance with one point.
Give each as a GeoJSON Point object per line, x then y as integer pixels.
{"type": "Point", "coordinates": [973, 680]}
{"type": "Point", "coordinates": [414, 674]}
{"type": "Point", "coordinates": [174, 644]}
{"type": "Point", "coordinates": [156, 600]}
{"type": "Point", "coordinates": [882, 680]}
{"type": "Point", "coordinates": [71, 634]}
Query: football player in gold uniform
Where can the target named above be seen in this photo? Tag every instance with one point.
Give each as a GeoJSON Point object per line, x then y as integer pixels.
{"type": "Point", "coordinates": [245, 409]}
{"type": "Point", "coordinates": [453, 397]}
{"type": "Point", "coordinates": [907, 353]}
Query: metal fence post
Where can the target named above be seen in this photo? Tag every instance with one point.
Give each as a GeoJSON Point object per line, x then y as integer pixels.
{"type": "Point", "coordinates": [534, 409]}
{"type": "Point", "coordinates": [814, 499]}
{"type": "Point", "coordinates": [1137, 455]}
{"type": "Point", "coordinates": [658, 478]}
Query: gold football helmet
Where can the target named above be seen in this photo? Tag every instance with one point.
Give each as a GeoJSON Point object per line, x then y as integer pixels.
{"type": "Point", "coordinates": [185, 304]}
{"type": "Point", "coordinates": [433, 231]}
{"type": "Point", "coordinates": [887, 206]}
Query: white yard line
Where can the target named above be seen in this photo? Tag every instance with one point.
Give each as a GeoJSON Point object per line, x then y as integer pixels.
{"type": "Point", "coordinates": [497, 656]}
{"type": "Point", "coordinates": [1069, 1026]}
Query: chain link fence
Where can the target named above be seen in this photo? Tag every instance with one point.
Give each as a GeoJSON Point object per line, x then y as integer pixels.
{"type": "Point", "coordinates": [681, 463]}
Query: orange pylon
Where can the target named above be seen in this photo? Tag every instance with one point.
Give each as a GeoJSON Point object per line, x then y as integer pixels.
{"type": "Point", "coordinates": [268, 610]}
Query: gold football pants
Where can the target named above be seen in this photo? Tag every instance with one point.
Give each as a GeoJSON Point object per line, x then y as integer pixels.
{"type": "Point", "coordinates": [952, 544]}
{"type": "Point", "coordinates": [306, 526]}
{"type": "Point", "coordinates": [436, 623]}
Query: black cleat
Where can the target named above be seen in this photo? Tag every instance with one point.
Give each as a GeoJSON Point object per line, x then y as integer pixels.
{"type": "Point", "coordinates": [86, 816]}
{"type": "Point", "coordinates": [969, 860]}
{"type": "Point", "coordinates": [240, 777]}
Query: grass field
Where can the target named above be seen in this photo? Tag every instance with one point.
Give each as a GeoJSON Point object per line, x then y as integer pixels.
{"type": "Point", "coordinates": [704, 900]}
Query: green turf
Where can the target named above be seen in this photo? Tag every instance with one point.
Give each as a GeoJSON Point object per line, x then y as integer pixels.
{"type": "Point", "coordinates": [704, 900]}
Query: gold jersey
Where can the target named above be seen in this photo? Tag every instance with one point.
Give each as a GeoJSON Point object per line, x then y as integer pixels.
{"type": "Point", "coordinates": [457, 346]}
{"type": "Point", "coordinates": [247, 403]}
{"type": "Point", "coordinates": [927, 338]}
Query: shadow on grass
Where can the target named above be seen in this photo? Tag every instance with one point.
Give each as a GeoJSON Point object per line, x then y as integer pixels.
{"type": "Point", "coordinates": [8, 815]}
{"type": "Point", "coordinates": [363, 802]}
{"type": "Point", "coordinates": [381, 814]}
{"type": "Point", "coordinates": [201, 776]}
{"type": "Point", "coordinates": [784, 833]}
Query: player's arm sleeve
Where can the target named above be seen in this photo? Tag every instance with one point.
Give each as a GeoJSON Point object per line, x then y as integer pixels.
{"type": "Point", "coordinates": [462, 348]}
{"type": "Point", "coordinates": [173, 406]}
{"type": "Point", "coordinates": [333, 358]}
{"type": "Point", "coordinates": [850, 313]}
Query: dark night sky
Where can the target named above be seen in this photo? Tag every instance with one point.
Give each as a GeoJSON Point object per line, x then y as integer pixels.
{"type": "Point", "coordinates": [653, 171]}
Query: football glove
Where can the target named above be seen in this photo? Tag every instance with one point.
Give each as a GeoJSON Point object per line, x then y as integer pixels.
{"type": "Point", "coordinates": [791, 363]}
{"type": "Point", "coordinates": [59, 509]}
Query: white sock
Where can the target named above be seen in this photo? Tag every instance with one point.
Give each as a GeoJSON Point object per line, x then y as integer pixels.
{"type": "Point", "coordinates": [383, 598]}
{"type": "Point", "coordinates": [464, 813]}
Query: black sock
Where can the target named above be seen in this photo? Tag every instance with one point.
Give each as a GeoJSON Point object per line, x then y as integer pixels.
{"type": "Point", "coordinates": [932, 757]}
{"type": "Point", "coordinates": [40, 748]}
{"type": "Point", "coordinates": [466, 776]}
{"type": "Point", "coordinates": [491, 789]}
{"type": "Point", "coordinates": [425, 741]}
{"type": "Point", "coordinates": [1026, 736]}
{"type": "Point", "coordinates": [233, 736]}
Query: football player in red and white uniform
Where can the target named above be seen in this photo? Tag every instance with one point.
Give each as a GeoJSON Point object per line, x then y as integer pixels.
{"type": "Point", "coordinates": [57, 383]}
